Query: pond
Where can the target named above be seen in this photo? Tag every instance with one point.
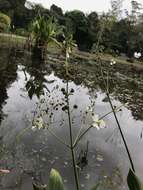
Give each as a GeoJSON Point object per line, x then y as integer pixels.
{"type": "Point", "coordinates": [27, 89]}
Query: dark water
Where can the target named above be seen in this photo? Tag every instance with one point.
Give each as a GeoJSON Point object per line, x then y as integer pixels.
{"type": "Point", "coordinates": [30, 155]}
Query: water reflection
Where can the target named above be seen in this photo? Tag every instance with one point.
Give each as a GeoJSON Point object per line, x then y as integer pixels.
{"type": "Point", "coordinates": [8, 74]}
{"type": "Point", "coordinates": [125, 82]}
{"type": "Point", "coordinates": [37, 152]}
{"type": "Point", "coordinates": [36, 84]}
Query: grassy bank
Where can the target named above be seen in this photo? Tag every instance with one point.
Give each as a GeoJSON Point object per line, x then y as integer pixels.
{"type": "Point", "coordinates": [11, 40]}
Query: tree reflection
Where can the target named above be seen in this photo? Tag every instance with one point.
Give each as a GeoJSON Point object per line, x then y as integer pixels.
{"type": "Point", "coordinates": [8, 75]}
{"type": "Point", "coordinates": [37, 82]}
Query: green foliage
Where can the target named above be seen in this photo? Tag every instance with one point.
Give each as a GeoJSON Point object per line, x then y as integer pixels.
{"type": "Point", "coordinates": [123, 35]}
{"type": "Point", "coordinates": [77, 22]}
{"type": "Point", "coordinates": [44, 30]}
{"type": "Point", "coordinates": [36, 86]}
{"type": "Point", "coordinates": [5, 22]}
{"type": "Point", "coordinates": [133, 181]}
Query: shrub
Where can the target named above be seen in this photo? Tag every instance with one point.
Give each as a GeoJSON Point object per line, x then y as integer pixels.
{"type": "Point", "coordinates": [5, 22]}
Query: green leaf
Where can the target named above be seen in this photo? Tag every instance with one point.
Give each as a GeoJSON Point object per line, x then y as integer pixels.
{"type": "Point", "coordinates": [55, 181]}
{"type": "Point", "coordinates": [133, 181]}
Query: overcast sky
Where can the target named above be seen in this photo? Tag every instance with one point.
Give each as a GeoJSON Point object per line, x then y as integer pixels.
{"type": "Point", "coordinates": [83, 5]}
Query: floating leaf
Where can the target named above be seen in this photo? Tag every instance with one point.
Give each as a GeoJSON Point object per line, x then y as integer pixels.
{"type": "Point", "coordinates": [55, 181]}
{"type": "Point", "coordinates": [133, 181]}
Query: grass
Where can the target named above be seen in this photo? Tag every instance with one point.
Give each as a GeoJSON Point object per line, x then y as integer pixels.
{"type": "Point", "coordinates": [107, 57]}
{"type": "Point", "coordinates": [12, 40]}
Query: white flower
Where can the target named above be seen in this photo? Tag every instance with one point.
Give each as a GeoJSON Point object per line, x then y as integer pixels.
{"type": "Point", "coordinates": [137, 55]}
{"type": "Point", "coordinates": [98, 123]}
{"type": "Point", "coordinates": [113, 62]}
{"type": "Point", "coordinates": [37, 123]}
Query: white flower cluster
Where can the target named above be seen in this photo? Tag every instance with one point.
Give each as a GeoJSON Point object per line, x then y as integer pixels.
{"type": "Point", "coordinates": [137, 55]}
{"type": "Point", "coordinates": [98, 123]}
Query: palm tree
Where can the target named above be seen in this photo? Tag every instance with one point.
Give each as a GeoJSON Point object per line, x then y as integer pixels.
{"type": "Point", "coordinates": [43, 31]}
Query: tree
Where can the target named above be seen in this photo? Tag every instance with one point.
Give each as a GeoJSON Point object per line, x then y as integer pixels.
{"type": "Point", "coordinates": [105, 27]}
{"type": "Point", "coordinates": [135, 43]}
{"type": "Point", "coordinates": [57, 12]}
{"type": "Point", "coordinates": [135, 13]}
{"type": "Point", "coordinates": [77, 23]}
{"type": "Point", "coordinates": [93, 27]}
{"type": "Point", "coordinates": [116, 10]}
{"type": "Point", "coordinates": [44, 31]}
{"type": "Point", "coordinates": [9, 6]}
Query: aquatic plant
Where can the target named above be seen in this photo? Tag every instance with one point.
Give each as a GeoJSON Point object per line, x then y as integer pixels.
{"type": "Point", "coordinates": [96, 121]}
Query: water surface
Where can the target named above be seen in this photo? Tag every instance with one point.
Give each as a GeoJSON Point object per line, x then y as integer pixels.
{"type": "Point", "coordinates": [30, 155]}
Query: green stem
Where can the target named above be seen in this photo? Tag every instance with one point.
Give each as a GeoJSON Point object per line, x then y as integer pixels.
{"type": "Point", "coordinates": [122, 135]}
{"type": "Point", "coordinates": [71, 139]}
{"type": "Point", "coordinates": [117, 121]}
{"type": "Point", "coordinates": [81, 135]}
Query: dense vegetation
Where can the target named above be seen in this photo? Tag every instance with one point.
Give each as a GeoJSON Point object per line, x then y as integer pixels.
{"type": "Point", "coordinates": [5, 22]}
{"type": "Point", "coordinates": [120, 34]}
